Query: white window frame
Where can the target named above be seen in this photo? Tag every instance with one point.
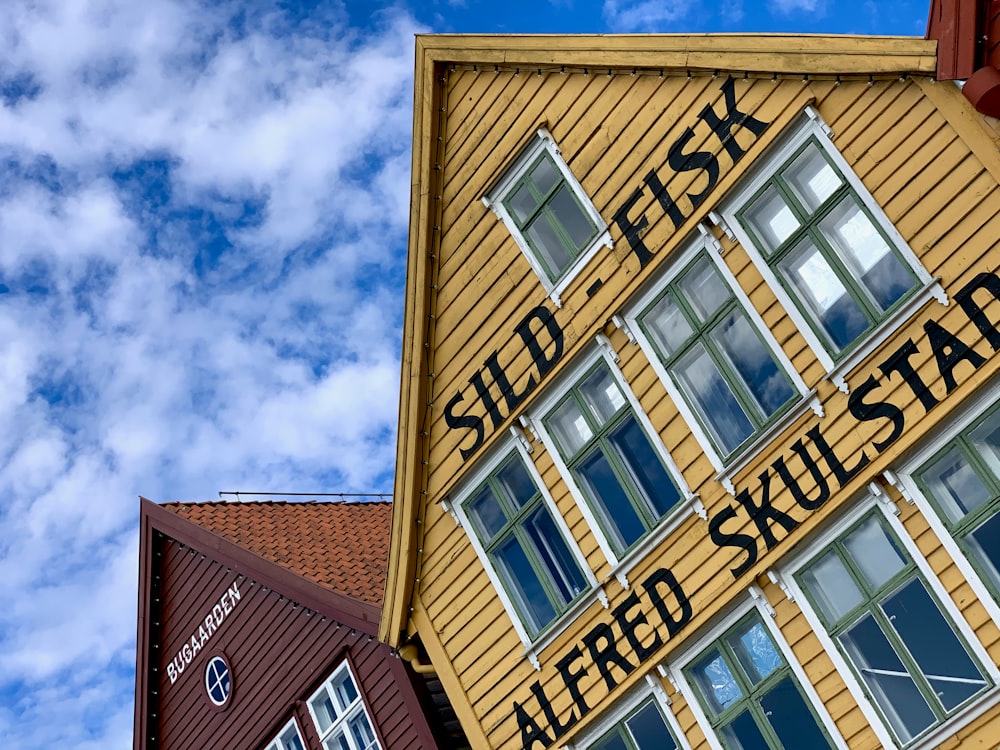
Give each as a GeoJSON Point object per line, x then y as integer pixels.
{"type": "Point", "coordinates": [357, 706]}
{"type": "Point", "coordinates": [725, 469]}
{"type": "Point", "coordinates": [812, 126]}
{"type": "Point", "coordinates": [785, 573]}
{"type": "Point", "coordinates": [689, 502]}
{"type": "Point", "coordinates": [533, 646]}
{"type": "Point", "coordinates": [652, 689]}
{"type": "Point", "coordinates": [494, 197]}
{"type": "Point", "coordinates": [906, 483]}
{"type": "Point", "coordinates": [754, 600]}
{"type": "Point", "coordinates": [278, 742]}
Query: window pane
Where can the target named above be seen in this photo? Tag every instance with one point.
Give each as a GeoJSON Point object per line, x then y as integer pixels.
{"type": "Point", "coordinates": [955, 485]}
{"type": "Point", "coordinates": [713, 399]}
{"type": "Point", "coordinates": [624, 523]}
{"type": "Point", "coordinates": [577, 225]}
{"type": "Point", "coordinates": [772, 219]}
{"type": "Point", "coordinates": [744, 734]}
{"type": "Point", "coordinates": [865, 251]}
{"type": "Point", "coordinates": [516, 481]}
{"type": "Point", "coordinates": [545, 175]}
{"type": "Point", "coordinates": [290, 740]}
{"type": "Point", "coordinates": [570, 428]}
{"type": "Point", "coordinates": [812, 178]}
{"type": "Point", "coordinates": [754, 363]}
{"type": "Point", "coordinates": [874, 552]}
{"type": "Point", "coordinates": [756, 652]}
{"type": "Point", "coordinates": [602, 395]}
{"type": "Point", "coordinates": [322, 706]}
{"type": "Point", "coordinates": [986, 439]}
{"type": "Point", "coordinates": [984, 544]}
{"type": "Point", "coordinates": [832, 587]}
{"type": "Point", "coordinates": [932, 643]}
{"type": "Point", "coordinates": [524, 584]}
{"type": "Point", "coordinates": [362, 732]}
{"type": "Point", "coordinates": [487, 514]}
{"type": "Point", "coordinates": [824, 294]}
{"type": "Point", "coordinates": [522, 203]}
{"type": "Point", "coordinates": [649, 730]}
{"type": "Point", "coordinates": [545, 240]}
{"type": "Point", "coordinates": [890, 684]}
{"type": "Point", "coordinates": [644, 467]}
{"type": "Point", "coordinates": [791, 719]}
{"type": "Point", "coordinates": [555, 557]}
{"type": "Point", "coordinates": [716, 682]}
{"type": "Point", "coordinates": [339, 742]}
{"type": "Point", "coordinates": [704, 289]}
{"type": "Point", "coordinates": [667, 325]}
{"type": "Point", "coordinates": [347, 693]}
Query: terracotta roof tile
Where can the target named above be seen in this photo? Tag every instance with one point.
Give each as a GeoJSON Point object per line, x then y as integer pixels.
{"type": "Point", "coordinates": [341, 545]}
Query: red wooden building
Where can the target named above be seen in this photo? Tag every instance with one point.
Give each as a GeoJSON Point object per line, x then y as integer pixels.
{"type": "Point", "coordinates": [257, 630]}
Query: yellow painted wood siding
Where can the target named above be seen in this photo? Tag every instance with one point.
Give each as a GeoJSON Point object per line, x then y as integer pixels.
{"type": "Point", "coordinates": [612, 130]}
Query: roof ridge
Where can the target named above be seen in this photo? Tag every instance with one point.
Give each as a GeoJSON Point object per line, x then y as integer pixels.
{"type": "Point", "coordinates": [305, 503]}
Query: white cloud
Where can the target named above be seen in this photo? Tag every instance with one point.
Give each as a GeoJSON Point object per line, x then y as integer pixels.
{"type": "Point", "coordinates": [628, 16]}
{"type": "Point", "coordinates": [203, 226]}
{"type": "Point", "coordinates": [817, 8]}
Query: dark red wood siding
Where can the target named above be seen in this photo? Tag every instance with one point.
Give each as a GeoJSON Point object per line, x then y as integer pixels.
{"type": "Point", "coordinates": [279, 653]}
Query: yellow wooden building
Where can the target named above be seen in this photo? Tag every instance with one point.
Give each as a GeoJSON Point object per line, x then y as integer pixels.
{"type": "Point", "coordinates": [699, 438]}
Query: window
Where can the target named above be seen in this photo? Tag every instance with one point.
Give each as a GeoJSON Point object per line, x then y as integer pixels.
{"type": "Point", "coordinates": [645, 728]}
{"type": "Point", "coordinates": [288, 739]}
{"type": "Point", "coordinates": [524, 545]}
{"type": "Point", "coordinates": [873, 602]}
{"type": "Point", "coordinates": [715, 357]}
{"type": "Point", "coordinates": [339, 714]}
{"type": "Point", "coordinates": [611, 458]}
{"type": "Point", "coordinates": [750, 695]}
{"type": "Point", "coordinates": [548, 213]}
{"type": "Point", "coordinates": [963, 484]}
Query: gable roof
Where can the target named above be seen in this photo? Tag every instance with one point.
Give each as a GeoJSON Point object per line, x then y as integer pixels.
{"type": "Point", "coordinates": [746, 54]}
{"type": "Point", "coordinates": [341, 545]}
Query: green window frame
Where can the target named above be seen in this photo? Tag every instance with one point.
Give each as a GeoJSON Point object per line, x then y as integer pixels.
{"type": "Point", "coordinates": [962, 483]}
{"type": "Point", "coordinates": [750, 695]}
{"type": "Point", "coordinates": [538, 570]}
{"type": "Point", "coordinates": [826, 247]}
{"type": "Point", "coordinates": [897, 638]}
{"type": "Point", "coordinates": [716, 357]}
{"type": "Point", "coordinates": [549, 215]}
{"type": "Point", "coordinates": [611, 457]}
{"type": "Point", "coordinates": [645, 728]}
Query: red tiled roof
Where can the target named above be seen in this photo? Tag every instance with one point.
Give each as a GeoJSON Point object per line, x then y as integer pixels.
{"type": "Point", "coordinates": [341, 545]}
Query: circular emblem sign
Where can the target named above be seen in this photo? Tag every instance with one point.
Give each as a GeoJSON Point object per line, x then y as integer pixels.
{"type": "Point", "coordinates": [218, 681]}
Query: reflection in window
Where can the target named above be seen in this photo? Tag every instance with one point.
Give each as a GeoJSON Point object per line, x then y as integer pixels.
{"type": "Point", "coordinates": [600, 439]}
{"type": "Point", "coordinates": [749, 693]}
{"type": "Point", "coordinates": [524, 545]}
{"type": "Point", "coordinates": [644, 729]}
{"type": "Point", "coordinates": [829, 252]}
{"type": "Point", "coordinates": [287, 739]}
{"type": "Point", "coordinates": [881, 614]}
{"type": "Point", "coordinates": [963, 483]}
{"type": "Point", "coordinates": [730, 378]}
{"type": "Point", "coordinates": [340, 716]}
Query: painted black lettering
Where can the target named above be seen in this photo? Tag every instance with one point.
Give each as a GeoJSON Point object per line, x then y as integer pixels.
{"type": "Point", "coordinates": [665, 577]}
{"type": "Point", "coordinates": [744, 542]}
{"type": "Point", "coordinates": [666, 202]}
{"type": "Point", "coordinates": [572, 679]}
{"type": "Point", "coordinates": [606, 655]}
{"type": "Point", "coordinates": [511, 398]}
{"type": "Point", "coordinates": [530, 731]}
{"type": "Point", "coordinates": [696, 160]}
{"type": "Point", "coordinates": [486, 398]}
{"type": "Point", "coordinates": [723, 128]}
{"type": "Point", "coordinates": [843, 474]}
{"type": "Point", "coordinates": [991, 283]}
{"type": "Point", "coordinates": [466, 422]}
{"type": "Point", "coordinates": [631, 231]}
{"type": "Point", "coordinates": [764, 514]}
{"type": "Point", "coordinates": [868, 412]}
{"type": "Point", "coordinates": [822, 486]}
{"type": "Point", "coordinates": [949, 350]}
{"type": "Point", "coordinates": [530, 339]}
{"type": "Point", "coordinates": [628, 627]}
{"type": "Point", "coordinates": [899, 361]}
{"type": "Point", "coordinates": [558, 728]}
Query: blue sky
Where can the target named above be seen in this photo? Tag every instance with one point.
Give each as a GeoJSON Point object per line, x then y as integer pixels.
{"type": "Point", "coordinates": [203, 210]}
